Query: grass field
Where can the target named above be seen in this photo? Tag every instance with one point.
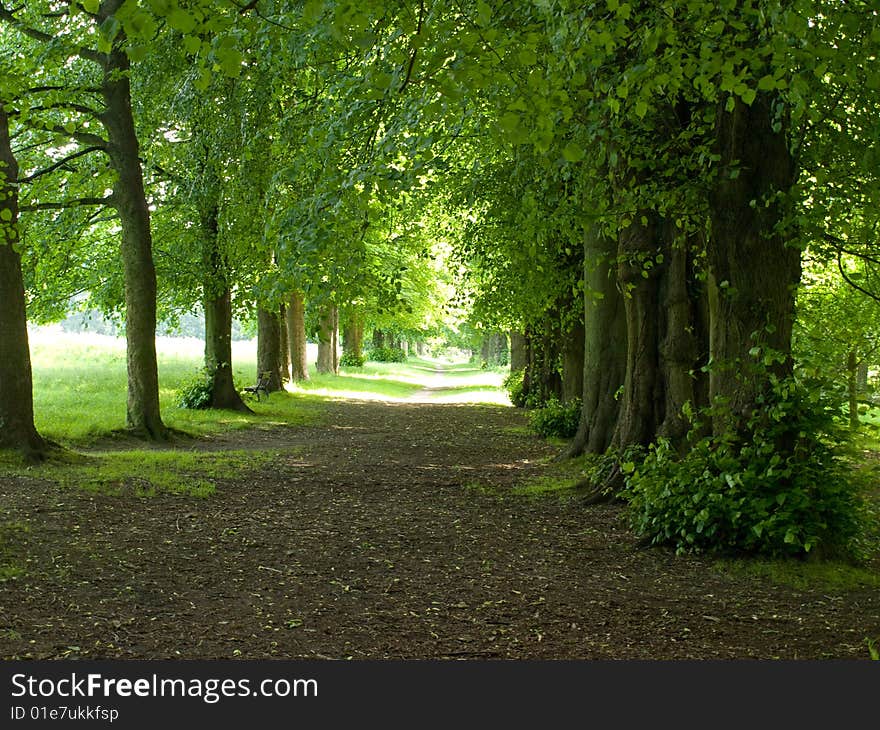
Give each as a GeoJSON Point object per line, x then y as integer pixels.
{"type": "Point", "coordinates": [80, 386]}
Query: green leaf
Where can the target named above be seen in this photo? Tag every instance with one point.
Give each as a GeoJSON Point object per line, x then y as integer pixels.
{"type": "Point", "coordinates": [484, 14]}
{"type": "Point", "coordinates": [91, 6]}
{"type": "Point", "coordinates": [192, 44]}
{"type": "Point", "coordinates": [181, 20]}
{"type": "Point", "coordinates": [527, 57]}
{"type": "Point", "coordinates": [641, 108]}
{"type": "Point", "coordinates": [573, 152]}
{"type": "Point", "coordinates": [766, 83]}
{"type": "Point", "coordinates": [137, 52]}
{"type": "Point", "coordinates": [5, 214]}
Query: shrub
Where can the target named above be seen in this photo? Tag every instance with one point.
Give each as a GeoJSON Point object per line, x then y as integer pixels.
{"type": "Point", "coordinates": [197, 393]}
{"type": "Point", "coordinates": [386, 354]}
{"type": "Point", "coordinates": [556, 419]}
{"type": "Point", "coordinates": [351, 360]}
{"type": "Point", "coordinates": [514, 386]}
{"type": "Point", "coordinates": [780, 487]}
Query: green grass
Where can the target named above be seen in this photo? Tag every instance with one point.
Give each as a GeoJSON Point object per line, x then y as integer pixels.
{"type": "Point", "coordinates": [823, 575]}
{"type": "Point", "coordinates": [80, 396]}
{"type": "Point", "coordinates": [142, 473]}
{"type": "Point", "coordinates": [80, 387]}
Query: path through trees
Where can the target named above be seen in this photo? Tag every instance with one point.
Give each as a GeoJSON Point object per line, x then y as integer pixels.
{"type": "Point", "coordinates": [386, 530]}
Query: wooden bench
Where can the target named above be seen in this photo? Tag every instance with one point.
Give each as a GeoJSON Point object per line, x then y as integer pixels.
{"type": "Point", "coordinates": [262, 385]}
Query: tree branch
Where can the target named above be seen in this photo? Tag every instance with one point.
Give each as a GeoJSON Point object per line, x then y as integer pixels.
{"type": "Point", "coordinates": [64, 204]}
{"type": "Point", "coordinates": [51, 168]}
{"type": "Point", "coordinates": [415, 50]}
{"type": "Point", "coordinates": [849, 281]}
{"type": "Point", "coordinates": [93, 140]}
{"type": "Point", "coordinates": [38, 35]}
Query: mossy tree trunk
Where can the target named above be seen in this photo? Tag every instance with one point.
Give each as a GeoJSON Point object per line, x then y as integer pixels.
{"type": "Point", "coordinates": [518, 355]}
{"type": "Point", "coordinates": [17, 430]}
{"type": "Point", "coordinates": [295, 319]}
{"type": "Point", "coordinates": [143, 416]}
{"type": "Point", "coordinates": [218, 316]}
{"type": "Point", "coordinates": [327, 341]}
{"type": "Point", "coordinates": [754, 264]}
{"type": "Point", "coordinates": [353, 335]}
{"type": "Point", "coordinates": [604, 346]}
{"type": "Point", "coordinates": [269, 328]}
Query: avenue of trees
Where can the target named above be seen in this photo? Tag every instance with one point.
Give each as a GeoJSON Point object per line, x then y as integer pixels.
{"type": "Point", "coordinates": [669, 210]}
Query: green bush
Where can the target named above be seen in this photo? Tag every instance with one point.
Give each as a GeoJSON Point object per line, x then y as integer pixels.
{"type": "Point", "coordinates": [350, 360]}
{"type": "Point", "coordinates": [514, 386]}
{"type": "Point", "coordinates": [556, 419]}
{"type": "Point", "coordinates": [780, 487]}
{"type": "Point", "coordinates": [386, 354]}
{"type": "Point", "coordinates": [197, 393]}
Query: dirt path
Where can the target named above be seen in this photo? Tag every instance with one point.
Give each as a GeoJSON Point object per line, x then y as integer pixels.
{"type": "Point", "coordinates": [389, 531]}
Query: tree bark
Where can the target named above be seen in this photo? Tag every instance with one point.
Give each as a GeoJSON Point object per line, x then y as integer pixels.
{"type": "Point", "coordinates": [143, 415]}
{"type": "Point", "coordinates": [641, 402]}
{"type": "Point", "coordinates": [218, 317]}
{"type": "Point", "coordinates": [353, 335]}
{"type": "Point", "coordinates": [327, 341]}
{"type": "Point", "coordinates": [518, 354]}
{"type": "Point", "coordinates": [17, 430]}
{"type": "Point", "coordinates": [378, 339]}
{"type": "Point", "coordinates": [862, 378]}
{"type": "Point", "coordinates": [604, 347]}
{"type": "Point", "coordinates": [296, 337]}
{"type": "Point", "coordinates": [285, 345]}
{"type": "Point", "coordinates": [754, 266]}
{"type": "Point", "coordinates": [269, 347]}
{"type": "Point", "coordinates": [684, 344]}
{"type": "Point", "coordinates": [573, 363]}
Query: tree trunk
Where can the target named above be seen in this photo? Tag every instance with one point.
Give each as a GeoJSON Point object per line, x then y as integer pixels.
{"type": "Point", "coordinates": [143, 416]}
{"type": "Point", "coordinates": [327, 339]}
{"type": "Point", "coordinates": [17, 430]}
{"type": "Point", "coordinates": [684, 344]}
{"type": "Point", "coordinates": [518, 354]}
{"type": "Point", "coordinates": [284, 345]}
{"type": "Point", "coordinates": [353, 335]}
{"type": "Point", "coordinates": [754, 266]}
{"type": "Point", "coordinates": [641, 403]}
{"type": "Point", "coordinates": [269, 347]}
{"type": "Point", "coordinates": [862, 378]}
{"type": "Point", "coordinates": [378, 339]}
{"type": "Point", "coordinates": [334, 340]}
{"type": "Point", "coordinates": [604, 347]}
{"type": "Point", "coordinates": [218, 317]}
{"type": "Point", "coordinates": [573, 363]}
{"type": "Point", "coordinates": [296, 337]}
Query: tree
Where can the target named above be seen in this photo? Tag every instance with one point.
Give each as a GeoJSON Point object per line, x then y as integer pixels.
{"type": "Point", "coordinates": [17, 430]}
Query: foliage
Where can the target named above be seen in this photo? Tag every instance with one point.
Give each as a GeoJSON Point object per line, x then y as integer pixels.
{"type": "Point", "coordinates": [556, 419]}
{"type": "Point", "coordinates": [515, 388]}
{"type": "Point", "coordinates": [386, 354]}
{"type": "Point", "coordinates": [780, 487]}
{"type": "Point", "coordinates": [352, 360]}
{"type": "Point", "coordinates": [198, 392]}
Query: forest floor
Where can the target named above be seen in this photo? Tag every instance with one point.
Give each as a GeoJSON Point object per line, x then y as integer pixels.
{"type": "Point", "coordinates": [385, 530]}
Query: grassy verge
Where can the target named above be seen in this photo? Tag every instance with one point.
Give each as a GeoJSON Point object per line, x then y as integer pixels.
{"type": "Point", "coordinates": [142, 473]}
{"type": "Point", "coordinates": [80, 395]}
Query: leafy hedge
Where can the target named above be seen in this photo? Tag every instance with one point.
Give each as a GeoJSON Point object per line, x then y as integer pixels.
{"type": "Point", "coordinates": [556, 419]}
{"type": "Point", "coordinates": [197, 393]}
{"type": "Point", "coordinates": [386, 354]}
{"type": "Point", "coordinates": [350, 360]}
{"type": "Point", "coordinates": [781, 487]}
